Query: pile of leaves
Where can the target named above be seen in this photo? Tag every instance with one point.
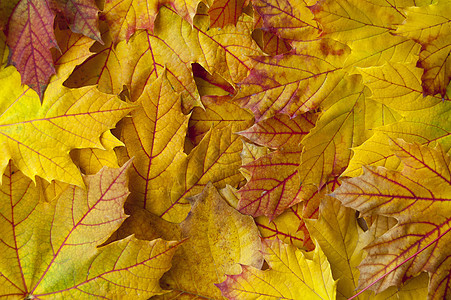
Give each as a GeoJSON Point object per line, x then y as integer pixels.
{"type": "Point", "coordinates": [211, 149]}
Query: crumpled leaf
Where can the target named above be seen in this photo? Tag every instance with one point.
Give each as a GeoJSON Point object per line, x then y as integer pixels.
{"type": "Point", "coordinates": [231, 239]}
{"type": "Point", "coordinates": [295, 82]}
{"type": "Point", "coordinates": [293, 274]}
{"type": "Point", "coordinates": [289, 20]}
{"type": "Point", "coordinates": [38, 138]}
{"type": "Point", "coordinates": [41, 239]}
{"type": "Point", "coordinates": [430, 26]}
{"type": "Point", "coordinates": [223, 12]}
{"type": "Point", "coordinates": [418, 198]}
{"type": "Point", "coordinates": [154, 135]}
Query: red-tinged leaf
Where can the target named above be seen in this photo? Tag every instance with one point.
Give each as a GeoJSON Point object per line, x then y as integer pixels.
{"type": "Point", "coordinates": [418, 197]}
{"type": "Point", "coordinates": [368, 28]}
{"type": "Point", "coordinates": [51, 248]}
{"type": "Point", "coordinates": [289, 20]}
{"type": "Point", "coordinates": [223, 12]}
{"type": "Point", "coordinates": [30, 39]}
{"type": "Point", "coordinates": [82, 17]}
{"type": "Point", "coordinates": [290, 226]}
{"type": "Point", "coordinates": [126, 16]}
{"type": "Point", "coordinates": [295, 82]}
{"type": "Point", "coordinates": [6, 8]}
{"type": "Point", "coordinates": [177, 44]}
{"type": "Point", "coordinates": [425, 126]}
{"type": "Point", "coordinates": [281, 131]}
{"type": "Point", "coordinates": [286, 228]}
{"type": "Point", "coordinates": [102, 68]}
{"type": "Point", "coordinates": [274, 185]}
{"type": "Point", "coordinates": [430, 26]}
{"type": "Point", "coordinates": [270, 43]}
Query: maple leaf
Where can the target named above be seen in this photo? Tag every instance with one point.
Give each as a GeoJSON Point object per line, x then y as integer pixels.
{"type": "Point", "coordinates": [32, 38]}
{"type": "Point", "coordinates": [418, 198]}
{"type": "Point", "coordinates": [293, 274]}
{"type": "Point", "coordinates": [218, 112]}
{"type": "Point", "coordinates": [223, 12]}
{"type": "Point", "coordinates": [153, 143]}
{"type": "Point", "coordinates": [40, 240]}
{"type": "Point", "coordinates": [288, 19]}
{"type": "Point", "coordinates": [295, 82]}
{"type": "Point", "coordinates": [430, 27]}
{"type": "Point", "coordinates": [267, 102]}
{"type": "Point", "coordinates": [230, 237]}
{"type": "Point", "coordinates": [38, 138]}
{"type": "Point", "coordinates": [125, 17]}
{"type": "Point", "coordinates": [102, 68]}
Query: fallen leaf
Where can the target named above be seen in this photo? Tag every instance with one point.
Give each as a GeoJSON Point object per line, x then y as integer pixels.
{"type": "Point", "coordinates": [40, 240]}
{"type": "Point", "coordinates": [417, 197]}
{"type": "Point", "coordinates": [293, 274]}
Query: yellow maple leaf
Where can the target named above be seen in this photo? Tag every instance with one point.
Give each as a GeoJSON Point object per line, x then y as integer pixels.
{"type": "Point", "coordinates": [418, 198]}
{"type": "Point", "coordinates": [38, 138]}
{"type": "Point", "coordinates": [293, 274]}
{"type": "Point", "coordinates": [49, 249]}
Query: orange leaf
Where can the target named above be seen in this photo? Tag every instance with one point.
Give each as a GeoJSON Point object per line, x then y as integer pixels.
{"type": "Point", "coordinates": [418, 197]}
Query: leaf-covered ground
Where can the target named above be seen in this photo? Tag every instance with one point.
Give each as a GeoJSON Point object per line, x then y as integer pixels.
{"type": "Point", "coordinates": [225, 149]}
